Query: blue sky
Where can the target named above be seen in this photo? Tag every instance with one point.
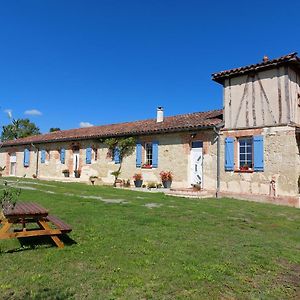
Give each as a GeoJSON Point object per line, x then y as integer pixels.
{"type": "Point", "coordinates": [109, 61]}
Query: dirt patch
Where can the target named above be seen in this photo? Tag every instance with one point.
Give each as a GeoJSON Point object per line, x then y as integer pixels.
{"type": "Point", "coordinates": [152, 205]}
{"type": "Point", "coordinates": [289, 278]}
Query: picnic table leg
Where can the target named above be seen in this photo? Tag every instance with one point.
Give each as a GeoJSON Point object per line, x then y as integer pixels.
{"type": "Point", "coordinates": [54, 238]}
{"type": "Point", "coordinates": [5, 228]}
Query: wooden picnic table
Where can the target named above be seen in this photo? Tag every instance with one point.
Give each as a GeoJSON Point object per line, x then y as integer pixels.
{"type": "Point", "coordinates": [25, 213]}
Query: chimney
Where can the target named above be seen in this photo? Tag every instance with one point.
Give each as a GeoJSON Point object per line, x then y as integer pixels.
{"type": "Point", "coordinates": [265, 58]}
{"type": "Point", "coordinates": [160, 114]}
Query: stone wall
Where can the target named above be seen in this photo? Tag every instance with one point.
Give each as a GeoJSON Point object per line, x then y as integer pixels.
{"type": "Point", "coordinates": [173, 155]}
{"type": "Point", "coordinates": [281, 164]}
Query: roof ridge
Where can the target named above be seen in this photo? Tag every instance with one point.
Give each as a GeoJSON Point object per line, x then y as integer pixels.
{"type": "Point", "coordinates": [284, 58]}
{"type": "Point", "coordinates": [146, 126]}
{"type": "Point", "coordinates": [127, 122]}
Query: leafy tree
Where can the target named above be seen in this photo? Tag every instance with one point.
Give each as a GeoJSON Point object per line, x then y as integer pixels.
{"type": "Point", "coordinates": [125, 147]}
{"type": "Point", "coordinates": [52, 129]}
{"type": "Point", "coordinates": [19, 128]}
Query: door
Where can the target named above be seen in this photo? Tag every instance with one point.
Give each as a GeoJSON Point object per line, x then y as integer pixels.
{"type": "Point", "coordinates": [196, 162]}
{"type": "Point", "coordinates": [13, 164]}
{"type": "Point", "coordinates": [75, 160]}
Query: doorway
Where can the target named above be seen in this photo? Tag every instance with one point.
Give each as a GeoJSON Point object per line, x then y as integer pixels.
{"type": "Point", "coordinates": [196, 163]}
{"type": "Point", "coordinates": [75, 161]}
{"type": "Point", "coordinates": [12, 164]}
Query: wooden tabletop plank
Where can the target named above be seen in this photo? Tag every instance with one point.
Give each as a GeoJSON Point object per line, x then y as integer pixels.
{"type": "Point", "coordinates": [25, 208]}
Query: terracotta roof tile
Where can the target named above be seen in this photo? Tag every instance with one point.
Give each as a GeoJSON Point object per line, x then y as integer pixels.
{"type": "Point", "coordinates": [289, 58]}
{"type": "Point", "coordinates": [177, 123]}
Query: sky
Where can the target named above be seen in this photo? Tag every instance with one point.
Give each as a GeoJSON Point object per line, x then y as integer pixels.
{"type": "Point", "coordinates": [74, 63]}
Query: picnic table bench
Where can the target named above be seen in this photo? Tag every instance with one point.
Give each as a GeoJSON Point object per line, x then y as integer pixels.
{"type": "Point", "coordinates": [32, 213]}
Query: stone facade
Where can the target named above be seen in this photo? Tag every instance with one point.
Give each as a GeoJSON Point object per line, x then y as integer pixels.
{"type": "Point", "coordinates": [281, 166]}
{"type": "Point", "coordinates": [173, 155]}
{"type": "Point", "coordinates": [263, 101]}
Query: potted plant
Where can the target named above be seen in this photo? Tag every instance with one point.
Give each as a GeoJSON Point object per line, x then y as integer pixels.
{"type": "Point", "coordinates": [126, 183]}
{"type": "Point", "coordinates": [118, 183]}
{"type": "Point", "coordinates": [138, 180]}
{"type": "Point", "coordinates": [93, 179]}
{"type": "Point", "coordinates": [77, 173]}
{"type": "Point", "coordinates": [66, 172]}
{"type": "Point", "coordinates": [146, 166]}
{"type": "Point", "coordinates": [116, 174]}
{"type": "Point", "coordinates": [166, 178]}
{"type": "Point", "coordinates": [244, 168]}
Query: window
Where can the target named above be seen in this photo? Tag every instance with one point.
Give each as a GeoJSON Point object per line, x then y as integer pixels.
{"type": "Point", "coordinates": [95, 150]}
{"type": "Point", "coordinates": [197, 144]}
{"type": "Point", "coordinates": [62, 155]}
{"type": "Point", "coordinates": [47, 155]}
{"type": "Point", "coordinates": [148, 154]}
{"type": "Point", "coordinates": [245, 153]}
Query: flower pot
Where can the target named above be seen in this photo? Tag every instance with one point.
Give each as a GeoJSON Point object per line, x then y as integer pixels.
{"type": "Point", "coordinates": [77, 174]}
{"type": "Point", "coordinates": [138, 183]}
{"type": "Point", "coordinates": [66, 174]}
{"type": "Point", "coordinates": [167, 184]}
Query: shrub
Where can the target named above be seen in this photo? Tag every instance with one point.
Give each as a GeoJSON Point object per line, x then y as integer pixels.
{"type": "Point", "coordinates": [151, 185]}
{"type": "Point", "coordinates": [9, 196]}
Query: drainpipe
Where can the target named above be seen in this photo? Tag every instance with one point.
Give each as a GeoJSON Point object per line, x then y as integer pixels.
{"type": "Point", "coordinates": [37, 160]}
{"type": "Point", "coordinates": [217, 132]}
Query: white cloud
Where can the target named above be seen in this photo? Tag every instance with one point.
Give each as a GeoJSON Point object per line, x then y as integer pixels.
{"type": "Point", "coordinates": [33, 112]}
{"type": "Point", "coordinates": [85, 124]}
{"type": "Point", "coordinates": [8, 112]}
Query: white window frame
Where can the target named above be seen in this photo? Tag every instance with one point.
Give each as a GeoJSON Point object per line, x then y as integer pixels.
{"type": "Point", "coordinates": [246, 153]}
{"type": "Point", "coordinates": [148, 145]}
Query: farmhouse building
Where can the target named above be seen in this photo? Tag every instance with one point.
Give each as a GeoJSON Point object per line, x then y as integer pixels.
{"type": "Point", "coordinates": [249, 149]}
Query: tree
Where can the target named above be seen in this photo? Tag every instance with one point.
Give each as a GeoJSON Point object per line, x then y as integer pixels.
{"type": "Point", "coordinates": [52, 129]}
{"type": "Point", "coordinates": [124, 146]}
{"type": "Point", "coordinates": [19, 128]}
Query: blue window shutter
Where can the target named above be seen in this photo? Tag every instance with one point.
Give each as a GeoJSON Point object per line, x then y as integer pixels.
{"type": "Point", "coordinates": [26, 158]}
{"type": "Point", "coordinates": [62, 155]}
{"type": "Point", "coordinates": [43, 156]}
{"type": "Point", "coordinates": [229, 154]}
{"type": "Point", "coordinates": [117, 155]}
{"type": "Point", "coordinates": [138, 154]}
{"type": "Point", "coordinates": [88, 158]}
{"type": "Point", "coordinates": [258, 149]}
{"type": "Point", "coordinates": [154, 154]}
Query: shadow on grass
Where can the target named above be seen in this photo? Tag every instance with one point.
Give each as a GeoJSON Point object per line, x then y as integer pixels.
{"type": "Point", "coordinates": [31, 243]}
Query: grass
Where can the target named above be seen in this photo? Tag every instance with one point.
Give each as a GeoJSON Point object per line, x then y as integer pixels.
{"type": "Point", "coordinates": [181, 249]}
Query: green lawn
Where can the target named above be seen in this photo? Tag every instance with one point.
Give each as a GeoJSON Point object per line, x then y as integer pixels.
{"type": "Point", "coordinates": [133, 245]}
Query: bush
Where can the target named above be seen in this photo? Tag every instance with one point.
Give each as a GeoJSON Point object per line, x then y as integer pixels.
{"type": "Point", "coordinates": [151, 185]}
